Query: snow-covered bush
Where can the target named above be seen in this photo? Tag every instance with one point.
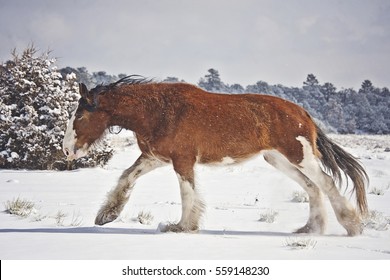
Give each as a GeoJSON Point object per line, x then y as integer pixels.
{"type": "Point", "coordinates": [377, 191]}
{"type": "Point", "coordinates": [268, 216]}
{"type": "Point", "coordinates": [35, 102]}
{"type": "Point", "coordinates": [376, 220]}
{"type": "Point", "coordinates": [300, 197]}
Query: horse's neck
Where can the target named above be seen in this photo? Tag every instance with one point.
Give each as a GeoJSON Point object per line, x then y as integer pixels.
{"type": "Point", "coordinates": [131, 112]}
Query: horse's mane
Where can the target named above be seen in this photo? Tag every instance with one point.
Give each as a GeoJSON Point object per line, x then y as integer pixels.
{"type": "Point", "coordinates": [128, 80]}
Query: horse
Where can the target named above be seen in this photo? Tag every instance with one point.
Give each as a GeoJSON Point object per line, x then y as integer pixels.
{"type": "Point", "coordinates": [182, 125]}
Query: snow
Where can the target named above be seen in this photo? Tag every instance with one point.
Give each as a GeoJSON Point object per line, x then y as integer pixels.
{"type": "Point", "coordinates": [14, 155]}
{"type": "Point", "coordinates": [237, 196]}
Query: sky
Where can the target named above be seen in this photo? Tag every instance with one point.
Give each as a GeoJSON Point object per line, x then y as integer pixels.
{"type": "Point", "coordinates": [276, 41]}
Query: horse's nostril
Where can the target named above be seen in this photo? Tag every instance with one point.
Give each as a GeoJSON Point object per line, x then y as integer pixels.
{"type": "Point", "coordinates": [66, 152]}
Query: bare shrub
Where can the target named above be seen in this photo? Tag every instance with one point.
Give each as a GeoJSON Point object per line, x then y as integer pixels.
{"type": "Point", "coordinates": [60, 217]}
{"type": "Point", "coordinates": [376, 220]}
{"type": "Point", "coordinates": [77, 220]}
{"type": "Point", "coordinates": [300, 197]}
{"type": "Point", "coordinates": [145, 218]}
{"type": "Point", "coordinates": [20, 207]}
{"type": "Point", "coordinates": [268, 216]}
{"type": "Point", "coordinates": [300, 243]}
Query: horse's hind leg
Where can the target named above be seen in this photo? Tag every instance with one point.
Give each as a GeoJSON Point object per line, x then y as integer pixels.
{"type": "Point", "coordinates": [118, 196]}
{"type": "Point", "coordinates": [345, 212]}
{"type": "Point", "coordinates": [192, 205]}
{"type": "Point", "coordinates": [317, 219]}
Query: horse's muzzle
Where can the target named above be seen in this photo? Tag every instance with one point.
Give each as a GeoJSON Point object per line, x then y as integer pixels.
{"type": "Point", "coordinates": [73, 154]}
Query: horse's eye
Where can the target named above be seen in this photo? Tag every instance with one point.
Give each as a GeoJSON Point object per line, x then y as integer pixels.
{"type": "Point", "coordinates": [79, 116]}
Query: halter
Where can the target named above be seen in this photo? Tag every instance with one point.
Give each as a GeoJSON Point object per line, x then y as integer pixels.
{"type": "Point", "coordinates": [111, 130]}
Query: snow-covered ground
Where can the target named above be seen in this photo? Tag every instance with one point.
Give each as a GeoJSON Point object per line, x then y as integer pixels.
{"type": "Point", "coordinates": [237, 197]}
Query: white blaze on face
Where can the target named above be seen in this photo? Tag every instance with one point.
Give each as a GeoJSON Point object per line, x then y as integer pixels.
{"type": "Point", "coordinates": [70, 140]}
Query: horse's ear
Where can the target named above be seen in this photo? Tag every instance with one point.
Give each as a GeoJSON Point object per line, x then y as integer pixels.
{"type": "Point", "coordinates": [83, 91]}
{"type": "Point", "coordinates": [90, 100]}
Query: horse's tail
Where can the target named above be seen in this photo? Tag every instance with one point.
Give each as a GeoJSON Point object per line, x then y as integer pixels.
{"type": "Point", "coordinates": [334, 159]}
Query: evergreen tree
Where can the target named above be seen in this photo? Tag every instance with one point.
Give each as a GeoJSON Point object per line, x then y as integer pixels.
{"type": "Point", "coordinates": [370, 92]}
{"type": "Point", "coordinates": [34, 110]}
{"type": "Point", "coordinates": [212, 82]}
{"type": "Point", "coordinates": [102, 78]}
{"type": "Point", "coordinates": [374, 115]}
{"type": "Point", "coordinates": [91, 80]}
{"type": "Point", "coordinates": [334, 115]}
{"type": "Point", "coordinates": [367, 87]}
{"type": "Point", "coordinates": [313, 96]}
{"type": "Point", "coordinates": [172, 80]}
{"type": "Point", "coordinates": [236, 88]}
{"type": "Point", "coordinates": [328, 90]}
{"type": "Point", "coordinates": [259, 87]}
{"type": "Point", "coordinates": [311, 81]}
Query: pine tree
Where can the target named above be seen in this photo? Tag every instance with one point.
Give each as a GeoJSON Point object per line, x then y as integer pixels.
{"type": "Point", "coordinates": [334, 115]}
{"type": "Point", "coordinates": [212, 82]}
{"type": "Point", "coordinates": [236, 88]}
{"type": "Point", "coordinates": [328, 90]}
{"type": "Point", "coordinates": [34, 110]}
{"type": "Point", "coordinates": [367, 87]}
{"type": "Point", "coordinates": [259, 87]}
{"type": "Point", "coordinates": [313, 96]}
{"type": "Point", "coordinates": [172, 80]}
{"type": "Point", "coordinates": [311, 81]}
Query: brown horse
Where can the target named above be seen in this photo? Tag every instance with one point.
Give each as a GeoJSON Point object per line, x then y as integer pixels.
{"type": "Point", "coordinates": [181, 124]}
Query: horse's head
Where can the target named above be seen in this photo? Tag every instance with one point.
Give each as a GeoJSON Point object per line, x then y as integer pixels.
{"type": "Point", "coordinates": [87, 124]}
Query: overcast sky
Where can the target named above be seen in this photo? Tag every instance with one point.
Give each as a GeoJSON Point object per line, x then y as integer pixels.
{"type": "Point", "coordinates": [277, 41]}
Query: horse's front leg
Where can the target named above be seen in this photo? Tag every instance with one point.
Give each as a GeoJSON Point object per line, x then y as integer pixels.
{"type": "Point", "coordinates": [192, 205]}
{"type": "Point", "coordinates": [118, 196]}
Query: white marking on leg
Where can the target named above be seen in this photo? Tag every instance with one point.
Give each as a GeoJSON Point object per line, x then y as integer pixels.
{"type": "Point", "coordinates": [192, 208]}
{"type": "Point", "coordinates": [345, 212]}
{"type": "Point", "coordinates": [129, 176]}
{"type": "Point", "coordinates": [187, 194]}
{"type": "Point", "coordinates": [317, 218]}
{"type": "Point", "coordinates": [118, 196]}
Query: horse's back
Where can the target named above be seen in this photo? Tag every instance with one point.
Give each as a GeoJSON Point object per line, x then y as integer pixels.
{"type": "Point", "coordinates": [240, 125]}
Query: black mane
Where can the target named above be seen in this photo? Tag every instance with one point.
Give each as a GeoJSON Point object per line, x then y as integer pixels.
{"type": "Point", "coordinates": [128, 80]}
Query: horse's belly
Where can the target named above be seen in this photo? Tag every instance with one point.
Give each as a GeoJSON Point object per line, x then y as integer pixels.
{"type": "Point", "coordinates": [226, 153]}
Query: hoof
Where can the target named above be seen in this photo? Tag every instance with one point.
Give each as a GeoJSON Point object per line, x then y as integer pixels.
{"type": "Point", "coordinates": [178, 228]}
{"type": "Point", "coordinates": [354, 230]}
{"type": "Point", "coordinates": [105, 217]}
{"type": "Point", "coordinates": [351, 221]}
{"type": "Point", "coordinates": [309, 229]}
